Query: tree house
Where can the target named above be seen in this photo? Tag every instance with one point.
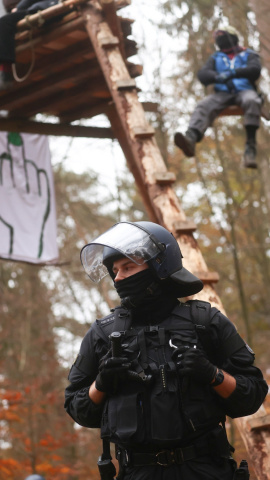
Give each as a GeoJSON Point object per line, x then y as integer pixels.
{"type": "Point", "coordinates": [80, 53]}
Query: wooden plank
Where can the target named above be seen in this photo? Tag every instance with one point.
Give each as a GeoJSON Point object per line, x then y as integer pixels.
{"type": "Point", "coordinates": [165, 178]}
{"type": "Point", "coordinates": [59, 9]}
{"type": "Point", "coordinates": [185, 226]}
{"type": "Point", "coordinates": [257, 443]}
{"type": "Point", "coordinates": [258, 423]}
{"type": "Point", "coordinates": [61, 100]}
{"type": "Point", "coordinates": [126, 84]}
{"type": "Point", "coordinates": [89, 111]}
{"type": "Point", "coordinates": [122, 3]}
{"type": "Point", "coordinates": [134, 69]}
{"type": "Point", "coordinates": [54, 61]}
{"type": "Point", "coordinates": [110, 9]}
{"type": "Point", "coordinates": [235, 110]}
{"type": "Point", "coordinates": [110, 41]}
{"type": "Point", "coordinates": [45, 38]}
{"type": "Point", "coordinates": [84, 111]}
{"type": "Point", "coordinates": [38, 90]}
{"type": "Point", "coordinates": [143, 131]}
{"type": "Point", "coordinates": [206, 276]}
{"type": "Point", "coordinates": [43, 128]}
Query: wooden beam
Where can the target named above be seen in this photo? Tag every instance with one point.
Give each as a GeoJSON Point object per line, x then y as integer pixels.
{"type": "Point", "coordinates": [150, 106]}
{"type": "Point", "coordinates": [36, 19]}
{"type": "Point", "coordinates": [185, 226]}
{"type": "Point", "coordinates": [110, 10]}
{"type": "Point", "coordinates": [165, 178]}
{"type": "Point", "coordinates": [88, 111]}
{"type": "Point", "coordinates": [62, 99]}
{"type": "Point", "coordinates": [207, 277]}
{"type": "Point", "coordinates": [55, 129]}
{"type": "Point", "coordinates": [36, 91]}
{"type": "Point", "coordinates": [234, 110]}
{"type": "Point", "coordinates": [256, 442]}
{"type": "Point", "coordinates": [47, 62]}
{"type": "Point", "coordinates": [48, 35]}
{"type": "Point", "coordinates": [122, 3]}
{"type": "Point", "coordinates": [258, 423]}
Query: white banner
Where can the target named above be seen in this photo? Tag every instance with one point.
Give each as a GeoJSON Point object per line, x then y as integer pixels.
{"type": "Point", "coordinates": [27, 202]}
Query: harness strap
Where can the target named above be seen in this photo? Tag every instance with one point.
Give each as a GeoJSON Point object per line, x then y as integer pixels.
{"type": "Point", "coordinates": [143, 352]}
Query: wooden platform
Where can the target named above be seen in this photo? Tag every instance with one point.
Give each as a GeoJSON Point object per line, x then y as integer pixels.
{"type": "Point", "coordinates": [66, 81]}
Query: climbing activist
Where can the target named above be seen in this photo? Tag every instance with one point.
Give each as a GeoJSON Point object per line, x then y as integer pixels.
{"type": "Point", "coordinates": [8, 27]}
{"type": "Point", "coordinates": [233, 70]}
{"type": "Point", "coordinates": [156, 375]}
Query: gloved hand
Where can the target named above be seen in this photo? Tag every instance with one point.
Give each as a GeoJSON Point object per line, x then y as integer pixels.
{"type": "Point", "coordinates": [193, 363]}
{"type": "Point", "coordinates": [111, 372]}
{"type": "Point", "coordinates": [224, 76]}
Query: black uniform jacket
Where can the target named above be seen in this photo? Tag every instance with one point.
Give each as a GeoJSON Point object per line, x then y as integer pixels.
{"type": "Point", "coordinates": [200, 404]}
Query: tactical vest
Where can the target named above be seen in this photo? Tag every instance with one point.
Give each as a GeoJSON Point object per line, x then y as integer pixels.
{"type": "Point", "coordinates": [159, 407]}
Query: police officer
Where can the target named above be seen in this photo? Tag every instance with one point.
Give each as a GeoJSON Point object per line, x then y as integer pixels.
{"type": "Point", "coordinates": [161, 396]}
{"type": "Point", "coordinates": [233, 70]}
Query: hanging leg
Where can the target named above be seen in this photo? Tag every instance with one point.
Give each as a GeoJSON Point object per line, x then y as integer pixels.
{"type": "Point", "coordinates": [250, 102]}
{"type": "Point", "coordinates": [8, 25]}
{"type": "Point", "coordinates": [203, 116]}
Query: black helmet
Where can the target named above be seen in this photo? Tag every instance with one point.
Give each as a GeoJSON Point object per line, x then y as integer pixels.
{"type": "Point", "coordinates": [141, 242]}
{"type": "Point", "coordinates": [35, 476]}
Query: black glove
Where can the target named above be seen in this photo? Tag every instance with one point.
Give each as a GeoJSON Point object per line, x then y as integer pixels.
{"type": "Point", "coordinates": [111, 372]}
{"type": "Point", "coordinates": [225, 76]}
{"type": "Point", "coordinates": [193, 363]}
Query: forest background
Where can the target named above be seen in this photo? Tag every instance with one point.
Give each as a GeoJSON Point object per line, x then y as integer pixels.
{"type": "Point", "coordinates": [45, 311]}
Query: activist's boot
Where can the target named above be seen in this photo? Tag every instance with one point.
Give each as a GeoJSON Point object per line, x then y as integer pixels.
{"type": "Point", "coordinates": [250, 155]}
{"type": "Point", "coordinates": [186, 142]}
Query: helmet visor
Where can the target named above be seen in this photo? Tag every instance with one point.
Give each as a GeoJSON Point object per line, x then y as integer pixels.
{"type": "Point", "coordinates": [129, 240]}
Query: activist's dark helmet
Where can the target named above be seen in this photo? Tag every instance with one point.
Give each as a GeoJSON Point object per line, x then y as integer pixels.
{"type": "Point", "coordinates": [158, 248]}
{"type": "Point", "coordinates": [35, 476]}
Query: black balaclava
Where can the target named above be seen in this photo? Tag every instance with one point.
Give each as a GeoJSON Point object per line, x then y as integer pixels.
{"type": "Point", "coordinates": [132, 290]}
{"type": "Point", "coordinates": [149, 299]}
{"type": "Point", "coordinates": [227, 41]}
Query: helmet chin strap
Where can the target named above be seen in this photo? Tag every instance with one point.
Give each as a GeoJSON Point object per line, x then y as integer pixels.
{"type": "Point", "coordinates": [134, 301]}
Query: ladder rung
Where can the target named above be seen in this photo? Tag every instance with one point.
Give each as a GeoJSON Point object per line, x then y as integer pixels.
{"type": "Point", "coordinates": [143, 132]}
{"type": "Point", "coordinates": [185, 226]}
{"type": "Point", "coordinates": [164, 178]}
{"type": "Point", "coordinates": [110, 41]}
{"type": "Point", "coordinates": [126, 84]}
{"type": "Point", "coordinates": [207, 277]}
{"type": "Point", "coordinates": [260, 422]}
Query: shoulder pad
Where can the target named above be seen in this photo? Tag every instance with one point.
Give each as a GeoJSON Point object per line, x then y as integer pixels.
{"type": "Point", "coordinates": [105, 326]}
{"type": "Point", "coordinates": [108, 319]}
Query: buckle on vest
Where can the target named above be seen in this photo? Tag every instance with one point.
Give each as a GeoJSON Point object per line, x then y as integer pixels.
{"type": "Point", "coordinates": [165, 458]}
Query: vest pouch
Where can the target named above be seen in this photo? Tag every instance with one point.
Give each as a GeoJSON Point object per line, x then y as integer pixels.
{"type": "Point", "coordinates": [122, 419]}
{"type": "Point", "coordinates": [166, 422]}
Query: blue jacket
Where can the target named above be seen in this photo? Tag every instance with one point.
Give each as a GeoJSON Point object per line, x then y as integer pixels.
{"type": "Point", "coordinates": [223, 63]}
{"type": "Point", "coordinates": [246, 65]}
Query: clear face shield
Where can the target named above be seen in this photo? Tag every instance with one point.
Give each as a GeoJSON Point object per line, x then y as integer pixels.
{"type": "Point", "coordinates": [128, 239]}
